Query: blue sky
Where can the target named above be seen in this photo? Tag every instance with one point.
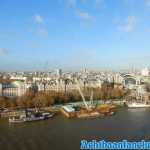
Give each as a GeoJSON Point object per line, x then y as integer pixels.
{"type": "Point", "coordinates": [73, 34]}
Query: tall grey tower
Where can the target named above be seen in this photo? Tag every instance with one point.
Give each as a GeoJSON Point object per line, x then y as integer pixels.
{"type": "Point", "coordinates": [59, 73]}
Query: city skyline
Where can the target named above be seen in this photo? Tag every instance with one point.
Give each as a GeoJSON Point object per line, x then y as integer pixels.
{"type": "Point", "coordinates": [74, 34]}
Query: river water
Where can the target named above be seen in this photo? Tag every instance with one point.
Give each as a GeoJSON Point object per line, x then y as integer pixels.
{"type": "Point", "coordinates": [61, 133]}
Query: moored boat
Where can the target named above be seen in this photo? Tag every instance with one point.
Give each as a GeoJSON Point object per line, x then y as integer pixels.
{"type": "Point", "coordinates": [48, 115]}
{"type": "Point", "coordinates": [17, 119]}
{"type": "Point", "coordinates": [30, 118]}
{"type": "Point", "coordinates": [138, 105]}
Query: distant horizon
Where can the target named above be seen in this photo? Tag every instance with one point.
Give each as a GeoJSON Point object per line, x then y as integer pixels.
{"type": "Point", "coordinates": [77, 70]}
{"type": "Point", "coordinates": [74, 34]}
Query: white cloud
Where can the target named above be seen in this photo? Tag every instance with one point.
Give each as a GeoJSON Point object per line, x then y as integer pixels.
{"type": "Point", "coordinates": [38, 19]}
{"type": "Point", "coordinates": [129, 24]}
{"type": "Point", "coordinates": [3, 51]}
{"type": "Point", "coordinates": [85, 16]}
{"type": "Point", "coordinates": [43, 32]}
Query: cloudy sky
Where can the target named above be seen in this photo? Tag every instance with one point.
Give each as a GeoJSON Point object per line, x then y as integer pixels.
{"type": "Point", "coordinates": [73, 34]}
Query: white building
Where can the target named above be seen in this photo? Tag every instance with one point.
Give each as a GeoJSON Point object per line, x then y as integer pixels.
{"type": "Point", "coordinates": [18, 78]}
{"type": "Point", "coordinates": [118, 78]}
{"type": "Point", "coordinates": [145, 72]}
{"type": "Point", "coordinates": [41, 79]}
{"type": "Point", "coordinates": [141, 89]}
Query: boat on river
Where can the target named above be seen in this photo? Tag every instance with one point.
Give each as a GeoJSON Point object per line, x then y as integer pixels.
{"type": "Point", "coordinates": [138, 105]}
{"type": "Point", "coordinates": [32, 117]}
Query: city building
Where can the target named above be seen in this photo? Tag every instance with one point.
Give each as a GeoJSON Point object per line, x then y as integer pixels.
{"type": "Point", "coordinates": [145, 72]}
{"type": "Point", "coordinates": [0, 89]}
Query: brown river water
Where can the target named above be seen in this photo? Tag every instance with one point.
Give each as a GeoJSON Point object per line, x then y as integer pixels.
{"type": "Point", "coordinates": [60, 133]}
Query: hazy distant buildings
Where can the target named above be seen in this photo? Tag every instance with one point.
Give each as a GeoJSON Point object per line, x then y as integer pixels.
{"type": "Point", "coordinates": [58, 81]}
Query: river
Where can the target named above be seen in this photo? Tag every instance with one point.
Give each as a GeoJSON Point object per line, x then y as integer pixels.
{"type": "Point", "coordinates": [61, 133]}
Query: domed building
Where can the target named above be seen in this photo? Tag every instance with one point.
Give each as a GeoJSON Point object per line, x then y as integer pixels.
{"type": "Point", "coordinates": [13, 89]}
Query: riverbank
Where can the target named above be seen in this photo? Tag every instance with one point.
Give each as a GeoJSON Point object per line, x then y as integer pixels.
{"type": "Point", "coordinates": [57, 108]}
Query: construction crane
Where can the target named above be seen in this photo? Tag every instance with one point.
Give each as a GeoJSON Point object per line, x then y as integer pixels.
{"type": "Point", "coordinates": [83, 98]}
{"type": "Point", "coordinates": [91, 99]}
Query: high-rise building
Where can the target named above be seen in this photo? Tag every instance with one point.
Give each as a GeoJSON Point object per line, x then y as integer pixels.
{"type": "Point", "coordinates": [59, 73]}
